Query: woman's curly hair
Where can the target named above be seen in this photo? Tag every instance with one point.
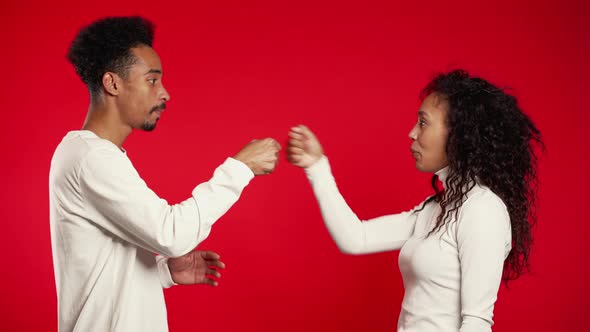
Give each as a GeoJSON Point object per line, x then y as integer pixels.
{"type": "Point", "coordinates": [491, 140]}
{"type": "Point", "coordinates": [105, 45]}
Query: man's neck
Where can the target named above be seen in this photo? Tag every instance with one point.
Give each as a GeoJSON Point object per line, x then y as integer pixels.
{"type": "Point", "coordinates": [105, 123]}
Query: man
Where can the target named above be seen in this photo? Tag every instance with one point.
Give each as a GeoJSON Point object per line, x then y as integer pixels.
{"type": "Point", "coordinates": [106, 224]}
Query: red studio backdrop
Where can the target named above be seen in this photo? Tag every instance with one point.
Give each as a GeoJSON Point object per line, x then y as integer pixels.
{"type": "Point", "coordinates": [351, 71]}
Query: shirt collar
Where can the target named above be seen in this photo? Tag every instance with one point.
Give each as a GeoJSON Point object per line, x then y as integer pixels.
{"type": "Point", "coordinates": [443, 174]}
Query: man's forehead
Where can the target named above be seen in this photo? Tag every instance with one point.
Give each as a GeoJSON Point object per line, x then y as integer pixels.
{"type": "Point", "coordinates": [147, 58]}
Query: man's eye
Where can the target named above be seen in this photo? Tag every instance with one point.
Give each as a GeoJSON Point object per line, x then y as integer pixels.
{"type": "Point", "coordinates": [421, 122]}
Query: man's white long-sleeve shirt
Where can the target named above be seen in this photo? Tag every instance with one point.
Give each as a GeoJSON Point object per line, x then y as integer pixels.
{"type": "Point", "coordinates": [106, 225]}
{"type": "Point", "coordinates": [451, 278]}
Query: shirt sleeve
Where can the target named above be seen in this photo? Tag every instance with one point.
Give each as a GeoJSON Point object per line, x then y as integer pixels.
{"type": "Point", "coordinates": [353, 236]}
{"type": "Point", "coordinates": [484, 241]}
{"type": "Point", "coordinates": [164, 272]}
{"type": "Point", "coordinates": [119, 201]}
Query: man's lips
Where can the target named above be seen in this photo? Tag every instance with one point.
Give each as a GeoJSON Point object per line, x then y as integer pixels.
{"type": "Point", "coordinates": [160, 108]}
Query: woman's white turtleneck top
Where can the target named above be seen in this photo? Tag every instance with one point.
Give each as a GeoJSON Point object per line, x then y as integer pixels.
{"type": "Point", "coordinates": [451, 278]}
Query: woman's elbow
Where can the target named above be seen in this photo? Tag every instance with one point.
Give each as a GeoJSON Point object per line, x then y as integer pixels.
{"type": "Point", "coordinates": [350, 247]}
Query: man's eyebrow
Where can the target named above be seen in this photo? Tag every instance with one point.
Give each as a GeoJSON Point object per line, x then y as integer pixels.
{"type": "Point", "coordinates": [422, 113]}
{"type": "Point", "coordinates": [154, 71]}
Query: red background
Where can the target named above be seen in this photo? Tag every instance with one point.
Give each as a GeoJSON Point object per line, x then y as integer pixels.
{"type": "Point", "coordinates": [352, 72]}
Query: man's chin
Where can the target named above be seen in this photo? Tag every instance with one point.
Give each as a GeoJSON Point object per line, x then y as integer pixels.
{"type": "Point", "coordinates": [148, 126]}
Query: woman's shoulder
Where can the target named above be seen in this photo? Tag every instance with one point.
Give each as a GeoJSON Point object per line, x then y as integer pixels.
{"type": "Point", "coordinates": [483, 204]}
{"type": "Point", "coordinates": [480, 195]}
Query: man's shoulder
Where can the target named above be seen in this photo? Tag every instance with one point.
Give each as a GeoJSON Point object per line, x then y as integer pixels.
{"type": "Point", "coordinates": [79, 145]}
{"type": "Point", "coordinates": [86, 141]}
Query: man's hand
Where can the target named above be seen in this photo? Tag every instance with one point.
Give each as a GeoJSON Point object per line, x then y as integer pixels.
{"type": "Point", "coordinates": [196, 267]}
{"type": "Point", "coordinates": [261, 156]}
{"type": "Point", "coordinates": [304, 148]}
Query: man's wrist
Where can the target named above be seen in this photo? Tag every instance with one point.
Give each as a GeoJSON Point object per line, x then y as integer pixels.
{"type": "Point", "coordinates": [164, 272]}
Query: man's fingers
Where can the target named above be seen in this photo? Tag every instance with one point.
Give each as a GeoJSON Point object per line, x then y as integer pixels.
{"type": "Point", "coordinates": [272, 142]}
{"type": "Point", "coordinates": [216, 263]}
{"type": "Point", "coordinates": [213, 272]}
{"type": "Point", "coordinates": [269, 168]}
{"type": "Point", "coordinates": [211, 282]}
{"type": "Point", "coordinates": [276, 145]}
{"type": "Point", "coordinates": [210, 255]}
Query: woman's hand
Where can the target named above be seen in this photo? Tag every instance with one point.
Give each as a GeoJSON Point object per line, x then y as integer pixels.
{"type": "Point", "coordinates": [304, 148]}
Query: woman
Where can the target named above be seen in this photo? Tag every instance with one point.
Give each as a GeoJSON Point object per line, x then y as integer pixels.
{"type": "Point", "coordinates": [459, 243]}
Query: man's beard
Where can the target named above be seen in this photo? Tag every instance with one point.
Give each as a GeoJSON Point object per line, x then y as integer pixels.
{"type": "Point", "coordinates": [148, 126]}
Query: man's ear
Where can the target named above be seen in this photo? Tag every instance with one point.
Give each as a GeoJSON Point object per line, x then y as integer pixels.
{"type": "Point", "coordinates": [111, 83]}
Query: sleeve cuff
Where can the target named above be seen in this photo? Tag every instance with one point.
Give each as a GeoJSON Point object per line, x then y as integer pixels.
{"type": "Point", "coordinates": [243, 174]}
{"type": "Point", "coordinates": [320, 169]}
{"type": "Point", "coordinates": [164, 272]}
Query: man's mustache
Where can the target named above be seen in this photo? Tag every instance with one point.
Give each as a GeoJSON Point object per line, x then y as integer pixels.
{"type": "Point", "coordinates": [160, 107]}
